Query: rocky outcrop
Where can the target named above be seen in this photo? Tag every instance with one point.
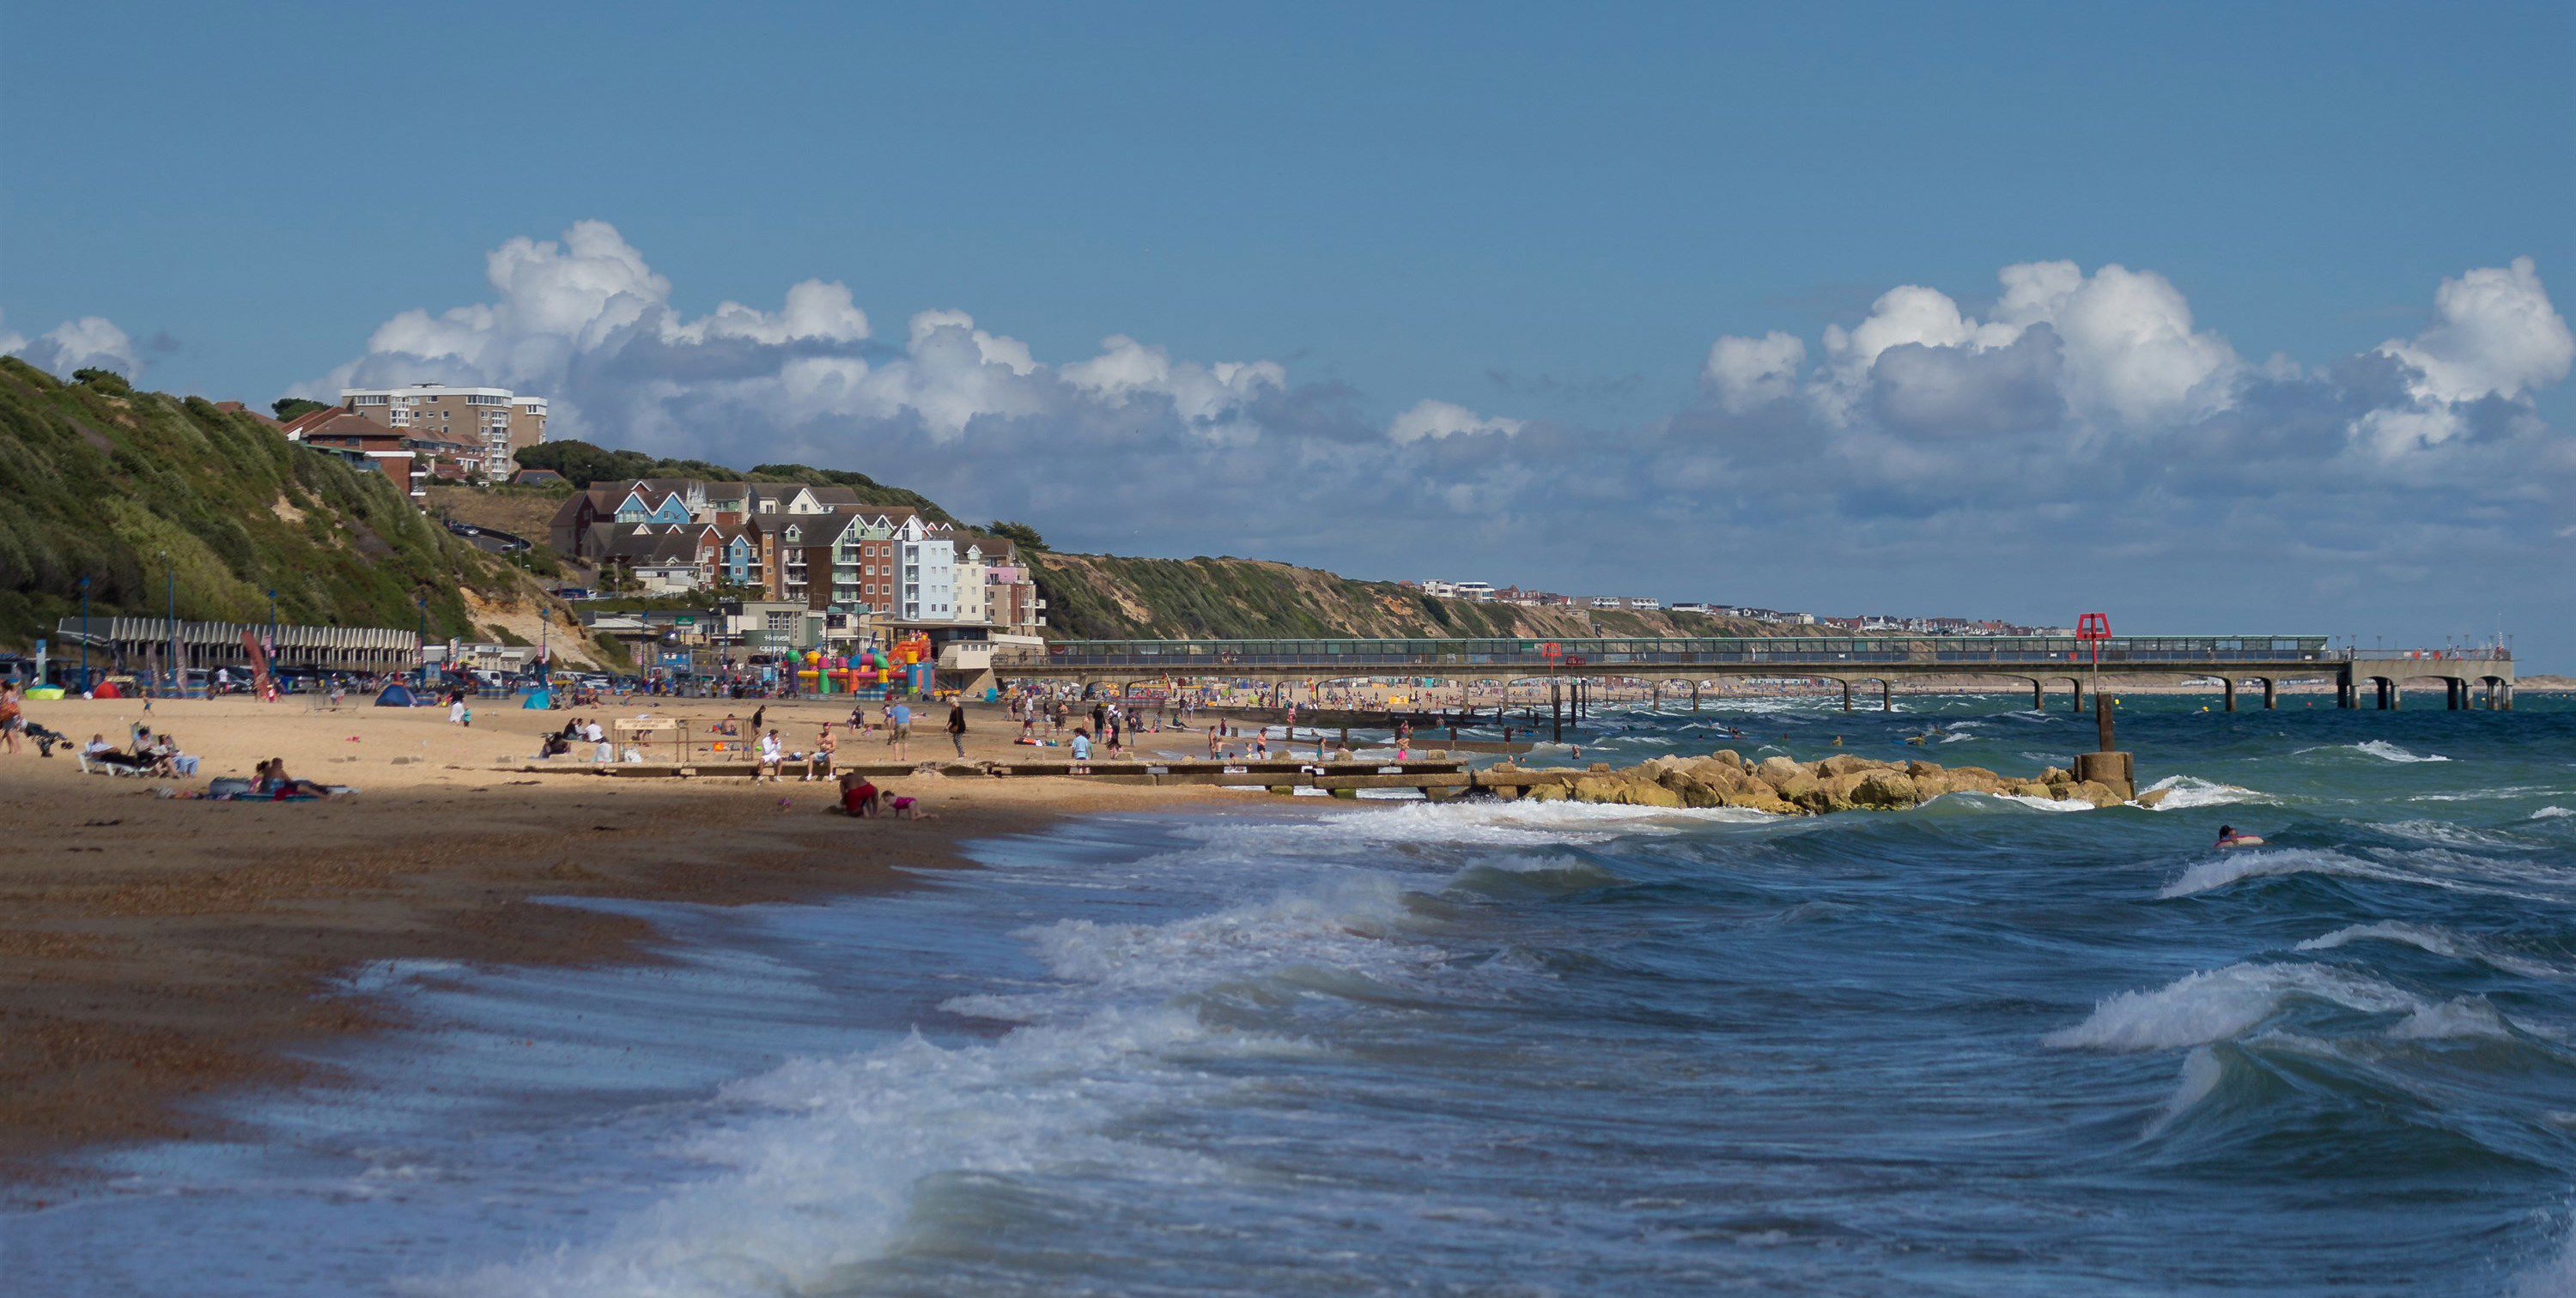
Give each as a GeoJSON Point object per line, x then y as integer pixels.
{"type": "Point", "coordinates": [1782, 786]}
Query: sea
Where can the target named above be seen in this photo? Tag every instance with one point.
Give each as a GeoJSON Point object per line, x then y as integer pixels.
{"type": "Point", "coordinates": [1294, 1046]}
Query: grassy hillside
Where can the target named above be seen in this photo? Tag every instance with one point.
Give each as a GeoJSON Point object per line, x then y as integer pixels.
{"type": "Point", "coordinates": [99, 484]}
{"type": "Point", "coordinates": [1093, 596]}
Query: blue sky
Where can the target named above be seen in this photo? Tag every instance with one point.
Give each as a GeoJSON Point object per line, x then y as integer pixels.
{"type": "Point", "coordinates": [1541, 218]}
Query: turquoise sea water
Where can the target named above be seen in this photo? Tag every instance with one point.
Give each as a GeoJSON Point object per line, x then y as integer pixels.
{"type": "Point", "coordinates": [1980, 1047]}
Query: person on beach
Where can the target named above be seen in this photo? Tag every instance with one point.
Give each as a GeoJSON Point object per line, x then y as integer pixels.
{"type": "Point", "coordinates": [599, 749]}
{"type": "Point", "coordinates": [1099, 719]}
{"type": "Point", "coordinates": [283, 785]}
{"type": "Point", "coordinates": [859, 797]}
{"type": "Point", "coordinates": [824, 746]}
{"type": "Point", "coordinates": [756, 714]}
{"type": "Point", "coordinates": [957, 725]}
{"type": "Point", "coordinates": [770, 759]}
{"type": "Point", "coordinates": [1028, 726]}
{"type": "Point", "coordinates": [1081, 751]}
{"type": "Point", "coordinates": [899, 730]}
{"type": "Point", "coordinates": [13, 718]}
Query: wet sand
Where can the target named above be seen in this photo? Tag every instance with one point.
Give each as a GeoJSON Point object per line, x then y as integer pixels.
{"type": "Point", "coordinates": [154, 952]}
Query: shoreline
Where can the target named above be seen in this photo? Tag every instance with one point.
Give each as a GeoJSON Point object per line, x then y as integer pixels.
{"type": "Point", "coordinates": [157, 954]}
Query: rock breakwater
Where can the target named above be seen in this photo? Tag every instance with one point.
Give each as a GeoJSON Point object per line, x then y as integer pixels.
{"type": "Point", "coordinates": [1783, 786]}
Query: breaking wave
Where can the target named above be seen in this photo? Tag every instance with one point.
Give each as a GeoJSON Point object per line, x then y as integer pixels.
{"type": "Point", "coordinates": [2184, 792]}
{"type": "Point", "coordinates": [2221, 1004]}
{"type": "Point", "coordinates": [2433, 939]}
{"type": "Point", "coordinates": [2388, 752]}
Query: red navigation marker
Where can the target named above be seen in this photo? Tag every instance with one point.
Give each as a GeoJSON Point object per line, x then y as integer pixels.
{"type": "Point", "coordinates": [1551, 650]}
{"type": "Point", "coordinates": [2093, 626]}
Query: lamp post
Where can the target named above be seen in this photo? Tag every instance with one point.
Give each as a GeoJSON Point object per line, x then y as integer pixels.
{"type": "Point", "coordinates": [420, 634]}
{"type": "Point", "coordinates": [171, 573]}
{"type": "Point", "coordinates": [84, 681]}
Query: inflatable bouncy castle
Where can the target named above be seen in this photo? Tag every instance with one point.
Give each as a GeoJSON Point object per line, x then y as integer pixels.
{"type": "Point", "coordinates": [903, 667]}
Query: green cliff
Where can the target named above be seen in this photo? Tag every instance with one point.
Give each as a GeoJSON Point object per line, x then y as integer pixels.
{"type": "Point", "coordinates": [99, 482]}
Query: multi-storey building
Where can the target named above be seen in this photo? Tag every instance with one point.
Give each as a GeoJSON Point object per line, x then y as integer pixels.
{"type": "Point", "coordinates": [498, 421]}
{"type": "Point", "coordinates": [864, 567]}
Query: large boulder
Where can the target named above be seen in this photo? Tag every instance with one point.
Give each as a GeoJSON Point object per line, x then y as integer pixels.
{"type": "Point", "coordinates": [1885, 790]}
{"type": "Point", "coordinates": [1778, 771]}
{"type": "Point", "coordinates": [2095, 792]}
{"type": "Point", "coordinates": [1847, 764]}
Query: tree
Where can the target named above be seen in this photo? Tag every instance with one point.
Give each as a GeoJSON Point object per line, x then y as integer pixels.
{"type": "Point", "coordinates": [1019, 534]}
{"type": "Point", "coordinates": [105, 382]}
{"type": "Point", "coordinates": [292, 408]}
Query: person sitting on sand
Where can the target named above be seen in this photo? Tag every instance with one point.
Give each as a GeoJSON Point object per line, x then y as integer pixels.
{"type": "Point", "coordinates": [276, 783]}
{"type": "Point", "coordinates": [859, 796]}
{"type": "Point", "coordinates": [728, 726]}
{"type": "Point", "coordinates": [824, 746]}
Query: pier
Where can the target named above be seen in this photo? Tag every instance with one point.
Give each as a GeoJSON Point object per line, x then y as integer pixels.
{"type": "Point", "coordinates": [1853, 662]}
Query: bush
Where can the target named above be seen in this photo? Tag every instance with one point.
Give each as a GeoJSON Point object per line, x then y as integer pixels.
{"type": "Point", "coordinates": [105, 382]}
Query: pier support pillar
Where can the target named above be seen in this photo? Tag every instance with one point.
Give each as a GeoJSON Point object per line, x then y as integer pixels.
{"type": "Point", "coordinates": [2038, 697]}
{"type": "Point", "coordinates": [2269, 687]}
{"type": "Point", "coordinates": [2229, 685]}
{"type": "Point", "coordinates": [1695, 696]}
{"type": "Point", "coordinates": [1555, 713]}
{"type": "Point", "coordinates": [2508, 696]}
{"type": "Point", "coordinates": [2452, 688]}
{"type": "Point", "coordinates": [1887, 696]}
{"type": "Point", "coordinates": [2079, 695]}
{"type": "Point", "coordinates": [1847, 696]}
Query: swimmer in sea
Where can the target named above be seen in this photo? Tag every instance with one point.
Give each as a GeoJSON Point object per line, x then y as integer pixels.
{"type": "Point", "coordinates": [2228, 837]}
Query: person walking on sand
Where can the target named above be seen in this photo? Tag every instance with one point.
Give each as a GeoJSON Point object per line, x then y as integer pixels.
{"type": "Point", "coordinates": [13, 717]}
{"type": "Point", "coordinates": [1081, 751]}
{"type": "Point", "coordinates": [824, 746]}
{"type": "Point", "coordinates": [957, 725]}
{"type": "Point", "coordinates": [899, 730]}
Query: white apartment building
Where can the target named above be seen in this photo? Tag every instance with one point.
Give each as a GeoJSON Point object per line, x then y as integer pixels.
{"type": "Point", "coordinates": [501, 421]}
{"type": "Point", "coordinates": [926, 567]}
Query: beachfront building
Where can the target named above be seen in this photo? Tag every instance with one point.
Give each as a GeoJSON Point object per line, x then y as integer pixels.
{"type": "Point", "coordinates": [497, 422]}
{"type": "Point", "coordinates": [866, 568]}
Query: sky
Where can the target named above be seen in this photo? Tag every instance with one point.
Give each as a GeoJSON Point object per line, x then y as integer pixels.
{"type": "Point", "coordinates": [2216, 317]}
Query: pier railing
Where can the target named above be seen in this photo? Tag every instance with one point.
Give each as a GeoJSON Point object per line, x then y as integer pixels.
{"type": "Point", "coordinates": [1791, 654]}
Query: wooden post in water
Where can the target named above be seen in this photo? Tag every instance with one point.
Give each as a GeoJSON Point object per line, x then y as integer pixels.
{"type": "Point", "coordinates": [1555, 713]}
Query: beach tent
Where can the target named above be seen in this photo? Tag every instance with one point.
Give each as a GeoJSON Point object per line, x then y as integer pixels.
{"type": "Point", "coordinates": [397, 695]}
{"type": "Point", "coordinates": [538, 701]}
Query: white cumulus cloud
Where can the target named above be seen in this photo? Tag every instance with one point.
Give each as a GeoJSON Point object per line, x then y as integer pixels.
{"type": "Point", "coordinates": [90, 342]}
{"type": "Point", "coordinates": [1750, 372]}
{"type": "Point", "coordinates": [1429, 419]}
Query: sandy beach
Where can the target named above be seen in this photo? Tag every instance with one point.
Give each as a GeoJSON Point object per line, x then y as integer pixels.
{"type": "Point", "coordinates": [156, 950]}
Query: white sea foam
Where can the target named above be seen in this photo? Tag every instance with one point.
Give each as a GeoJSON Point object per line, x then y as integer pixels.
{"type": "Point", "coordinates": [820, 1164]}
{"type": "Point", "coordinates": [2184, 792]}
{"type": "Point", "coordinates": [2552, 813]}
{"type": "Point", "coordinates": [2388, 752]}
{"type": "Point", "coordinates": [2201, 1073]}
{"type": "Point", "coordinates": [2432, 938]}
{"type": "Point", "coordinates": [2446, 834]}
{"type": "Point", "coordinates": [2428, 867]}
{"type": "Point", "coordinates": [2468, 1016]}
{"type": "Point", "coordinates": [2023, 799]}
{"type": "Point", "coordinates": [2221, 1004]}
{"type": "Point", "coordinates": [818, 1169]}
